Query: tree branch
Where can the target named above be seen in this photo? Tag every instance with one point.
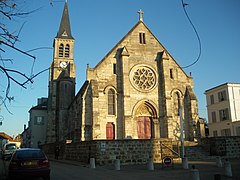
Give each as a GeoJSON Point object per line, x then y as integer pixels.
{"type": "Point", "coordinates": [18, 49]}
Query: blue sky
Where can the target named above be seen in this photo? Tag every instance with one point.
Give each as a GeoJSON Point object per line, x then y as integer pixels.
{"type": "Point", "coordinates": [97, 26]}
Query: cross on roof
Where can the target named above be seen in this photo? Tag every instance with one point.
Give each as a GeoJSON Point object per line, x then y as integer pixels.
{"type": "Point", "coordinates": [140, 12]}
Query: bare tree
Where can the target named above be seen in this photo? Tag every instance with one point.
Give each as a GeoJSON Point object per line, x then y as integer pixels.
{"type": "Point", "coordinates": [11, 10]}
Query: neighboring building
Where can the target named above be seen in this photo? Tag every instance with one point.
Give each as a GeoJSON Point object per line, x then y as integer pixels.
{"type": "Point", "coordinates": [223, 106]}
{"type": "Point", "coordinates": [135, 91]}
{"type": "Point", "coordinates": [200, 129]}
{"type": "Point", "coordinates": [26, 137]}
{"type": "Point", "coordinates": [4, 138]}
{"type": "Point", "coordinates": [37, 125]}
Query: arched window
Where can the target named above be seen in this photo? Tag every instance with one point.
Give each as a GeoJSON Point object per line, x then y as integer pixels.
{"type": "Point", "coordinates": [60, 50]}
{"type": "Point", "coordinates": [176, 103]}
{"type": "Point", "coordinates": [111, 102]}
{"type": "Point", "coordinates": [67, 50]}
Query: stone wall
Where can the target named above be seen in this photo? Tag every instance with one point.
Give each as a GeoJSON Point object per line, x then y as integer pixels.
{"type": "Point", "coordinates": [106, 152]}
{"type": "Point", "coordinates": [222, 146]}
{"type": "Point", "coordinates": [131, 151]}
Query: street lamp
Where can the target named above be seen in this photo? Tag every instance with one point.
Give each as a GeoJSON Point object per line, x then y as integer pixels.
{"type": "Point", "coordinates": [184, 159]}
{"type": "Point", "coordinates": [181, 131]}
{"type": "Point", "coordinates": [1, 120]}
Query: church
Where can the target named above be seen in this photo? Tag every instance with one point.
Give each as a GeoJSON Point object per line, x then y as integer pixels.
{"type": "Point", "coordinates": [137, 91]}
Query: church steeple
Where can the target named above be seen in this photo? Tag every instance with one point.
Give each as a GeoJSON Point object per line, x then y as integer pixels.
{"type": "Point", "coordinates": [64, 28]}
{"type": "Point", "coordinates": [61, 89]}
{"type": "Point", "coordinates": [63, 48]}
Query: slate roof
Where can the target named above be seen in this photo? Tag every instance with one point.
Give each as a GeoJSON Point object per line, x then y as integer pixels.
{"type": "Point", "coordinates": [64, 28]}
{"type": "Point", "coordinates": [42, 106]}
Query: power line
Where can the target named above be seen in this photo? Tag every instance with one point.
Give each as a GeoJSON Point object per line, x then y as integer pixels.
{"type": "Point", "coordinates": [198, 38]}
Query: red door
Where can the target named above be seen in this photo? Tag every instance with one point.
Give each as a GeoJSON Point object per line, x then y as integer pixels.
{"type": "Point", "coordinates": [110, 131]}
{"type": "Point", "coordinates": [144, 127]}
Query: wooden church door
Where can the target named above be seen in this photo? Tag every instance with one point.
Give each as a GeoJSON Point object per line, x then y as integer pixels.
{"type": "Point", "coordinates": [144, 127]}
{"type": "Point", "coordinates": [110, 131]}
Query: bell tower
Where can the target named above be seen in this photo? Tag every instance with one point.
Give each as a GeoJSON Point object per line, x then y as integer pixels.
{"type": "Point", "coordinates": [63, 49]}
{"type": "Point", "coordinates": [61, 89]}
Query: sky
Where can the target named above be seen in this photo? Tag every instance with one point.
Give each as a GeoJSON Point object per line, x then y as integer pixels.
{"type": "Point", "coordinates": [98, 26]}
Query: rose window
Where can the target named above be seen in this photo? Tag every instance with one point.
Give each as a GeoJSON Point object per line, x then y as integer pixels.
{"type": "Point", "coordinates": [143, 78]}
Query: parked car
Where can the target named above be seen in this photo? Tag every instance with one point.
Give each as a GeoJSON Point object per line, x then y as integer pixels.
{"type": "Point", "coordinates": [29, 163]}
{"type": "Point", "coordinates": [8, 150]}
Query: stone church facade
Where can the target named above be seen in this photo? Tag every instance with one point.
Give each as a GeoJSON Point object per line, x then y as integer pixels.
{"type": "Point", "coordinates": [137, 91]}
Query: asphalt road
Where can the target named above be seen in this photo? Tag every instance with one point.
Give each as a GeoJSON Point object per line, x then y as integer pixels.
{"type": "Point", "coordinates": [65, 170]}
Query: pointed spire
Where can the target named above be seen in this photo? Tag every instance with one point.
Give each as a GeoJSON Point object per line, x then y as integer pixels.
{"type": "Point", "coordinates": [64, 28]}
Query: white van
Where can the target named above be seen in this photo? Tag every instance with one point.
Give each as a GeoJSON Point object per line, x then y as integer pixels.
{"type": "Point", "coordinates": [8, 150]}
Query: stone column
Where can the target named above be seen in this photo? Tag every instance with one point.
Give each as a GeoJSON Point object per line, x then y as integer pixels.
{"type": "Point", "coordinates": [156, 127]}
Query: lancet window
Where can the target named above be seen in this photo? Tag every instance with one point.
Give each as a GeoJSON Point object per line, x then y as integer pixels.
{"type": "Point", "coordinates": [111, 102]}
{"type": "Point", "coordinates": [60, 50]}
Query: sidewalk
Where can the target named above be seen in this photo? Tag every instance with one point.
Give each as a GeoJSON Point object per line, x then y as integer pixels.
{"type": "Point", "coordinates": [2, 170]}
{"type": "Point", "coordinates": [207, 170]}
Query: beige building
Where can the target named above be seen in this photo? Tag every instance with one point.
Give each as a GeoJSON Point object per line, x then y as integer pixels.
{"type": "Point", "coordinates": [134, 92]}
{"type": "Point", "coordinates": [223, 106]}
{"type": "Point", "coordinates": [37, 124]}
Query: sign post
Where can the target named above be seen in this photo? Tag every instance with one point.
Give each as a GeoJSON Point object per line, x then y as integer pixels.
{"type": "Point", "coordinates": [167, 161]}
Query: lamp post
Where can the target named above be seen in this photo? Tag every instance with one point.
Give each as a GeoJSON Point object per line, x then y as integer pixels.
{"type": "Point", "coordinates": [181, 133]}
{"type": "Point", "coordinates": [1, 120]}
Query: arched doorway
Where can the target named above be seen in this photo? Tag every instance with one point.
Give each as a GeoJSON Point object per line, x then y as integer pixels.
{"type": "Point", "coordinates": [145, 116]}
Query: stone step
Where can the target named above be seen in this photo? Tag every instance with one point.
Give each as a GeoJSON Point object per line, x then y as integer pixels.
{"type": "Point", "coordinates": [197, 153]}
